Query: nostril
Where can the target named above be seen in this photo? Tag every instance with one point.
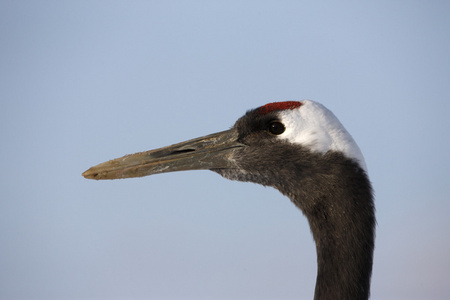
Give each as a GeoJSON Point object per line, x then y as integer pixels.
{"type": "Point", "coordinates": [181, 151]}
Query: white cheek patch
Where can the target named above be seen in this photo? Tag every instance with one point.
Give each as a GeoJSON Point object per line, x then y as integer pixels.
{"type": "Point", "coordinates": [312, 125]}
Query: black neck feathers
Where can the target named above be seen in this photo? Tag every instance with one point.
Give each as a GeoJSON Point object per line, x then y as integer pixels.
{"type": "Point", "coordinates": [335, 195]}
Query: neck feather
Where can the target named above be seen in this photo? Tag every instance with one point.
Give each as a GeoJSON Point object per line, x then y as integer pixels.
{"type": "Point", "coordinates": [341, 215]}
{"type": "Point", "coordinates": [335, 195]}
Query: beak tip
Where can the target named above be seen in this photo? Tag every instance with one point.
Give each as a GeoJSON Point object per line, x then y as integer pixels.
{"type": "Point", "coordinates": [89, 174]}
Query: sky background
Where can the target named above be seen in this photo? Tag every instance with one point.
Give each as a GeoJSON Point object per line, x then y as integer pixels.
{"type": "Point", "coordinates": [82, 82]}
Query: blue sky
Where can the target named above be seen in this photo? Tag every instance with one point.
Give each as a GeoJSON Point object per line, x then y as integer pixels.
{"type": "Point", "coordinates": [83, 82]}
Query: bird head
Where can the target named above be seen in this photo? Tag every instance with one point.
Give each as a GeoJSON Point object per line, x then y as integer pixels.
{"type": "Point", "coordinates": [279, 133]}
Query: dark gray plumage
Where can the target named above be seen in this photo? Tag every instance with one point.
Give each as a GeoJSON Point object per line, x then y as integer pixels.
{"type": "Point", "coordinates": [332, 191]}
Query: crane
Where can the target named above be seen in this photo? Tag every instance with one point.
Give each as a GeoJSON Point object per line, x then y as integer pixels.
{"type": "Point", "coordinates": [301, 149]}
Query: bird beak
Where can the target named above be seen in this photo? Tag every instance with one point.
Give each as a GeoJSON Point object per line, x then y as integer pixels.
{"type": "Point", "coordinates": [205, 153]}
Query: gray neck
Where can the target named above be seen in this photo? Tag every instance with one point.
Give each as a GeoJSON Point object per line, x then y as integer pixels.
{"type": "Point", "coordinates": [341, 215]}
{"type": "Point", "coordinates": [335, 195]}
{"type": "Point", "coordinates": [344, 254]}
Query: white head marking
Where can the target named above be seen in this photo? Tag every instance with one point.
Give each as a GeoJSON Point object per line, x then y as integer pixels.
{"type": "Point", "coordinates": [314, 126]}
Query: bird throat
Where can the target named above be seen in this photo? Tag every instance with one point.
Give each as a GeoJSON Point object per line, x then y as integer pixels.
{"type": "Point", "coordinates": [335, 195]}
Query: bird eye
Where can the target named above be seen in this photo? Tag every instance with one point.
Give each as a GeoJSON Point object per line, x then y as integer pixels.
{"type": "Point", "coordinates": [276, 128]}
